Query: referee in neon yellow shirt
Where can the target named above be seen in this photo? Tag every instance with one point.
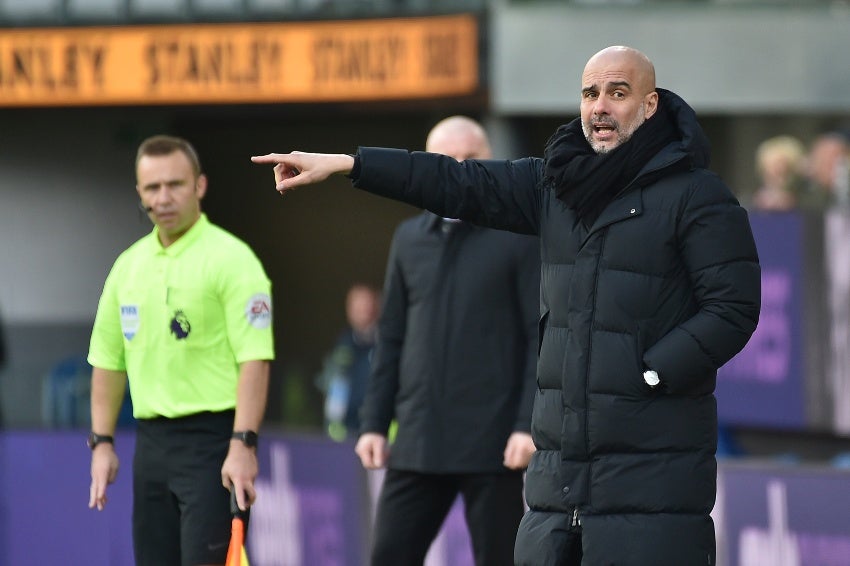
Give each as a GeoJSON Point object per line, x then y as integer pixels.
{"type": "Point", "coordinates": [186, 315]}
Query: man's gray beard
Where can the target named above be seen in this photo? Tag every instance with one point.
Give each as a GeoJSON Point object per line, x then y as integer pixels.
{"type": "Point", "coordinates": [588, 133]}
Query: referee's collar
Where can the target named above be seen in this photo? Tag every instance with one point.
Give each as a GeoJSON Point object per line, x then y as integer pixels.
{"type": "Point", "coordinates": [184, 241]}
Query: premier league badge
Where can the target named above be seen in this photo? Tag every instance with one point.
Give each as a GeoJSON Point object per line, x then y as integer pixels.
{"type": "Point", "coordinates": [180, 325]}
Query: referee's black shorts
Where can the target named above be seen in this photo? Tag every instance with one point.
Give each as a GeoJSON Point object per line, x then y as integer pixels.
{"type": "Point", "coordinates": [181, 512]}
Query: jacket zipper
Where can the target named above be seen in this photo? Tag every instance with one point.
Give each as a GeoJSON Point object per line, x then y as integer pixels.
{"type": "Point", "coordinates": [602, 241]}
{"type": "Point", "coordinates": [576, 521]}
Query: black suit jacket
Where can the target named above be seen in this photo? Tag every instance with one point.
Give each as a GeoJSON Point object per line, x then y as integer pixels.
{"type": "Point", "coordinates": [457, 348]}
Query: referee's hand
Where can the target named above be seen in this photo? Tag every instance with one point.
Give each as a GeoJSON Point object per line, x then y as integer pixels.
{"type": "Point", "coordinates": [239, 470]}
{"type": "Point", "coordinates": [104, 470]}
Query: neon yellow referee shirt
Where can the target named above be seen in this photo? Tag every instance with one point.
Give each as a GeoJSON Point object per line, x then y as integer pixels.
{"type": "Point", "coordinates": [179, 320]}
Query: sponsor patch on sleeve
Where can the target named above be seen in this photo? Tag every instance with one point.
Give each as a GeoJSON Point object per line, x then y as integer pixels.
{"type": "Point", "coordinates": [258, 311]}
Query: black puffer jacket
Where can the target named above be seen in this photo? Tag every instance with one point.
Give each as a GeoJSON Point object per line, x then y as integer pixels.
{"type": "Point", "coordinates": [667, 277]}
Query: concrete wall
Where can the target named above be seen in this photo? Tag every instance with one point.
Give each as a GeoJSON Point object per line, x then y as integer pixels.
{"type": "Point", "coordinates": [723, 58]}
{"type": "Point", "coordinates": [68, 208]}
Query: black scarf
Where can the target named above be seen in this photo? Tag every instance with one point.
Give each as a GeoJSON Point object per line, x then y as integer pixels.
{"type": "Point", "coordinates": [587, 181]}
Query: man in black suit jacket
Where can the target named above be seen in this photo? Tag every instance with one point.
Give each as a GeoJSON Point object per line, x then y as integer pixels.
{"type": "Point", "coordinates": [455, 366]}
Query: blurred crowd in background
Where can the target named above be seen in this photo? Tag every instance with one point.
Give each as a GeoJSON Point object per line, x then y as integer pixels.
{"type": "Point", "coordinates": [796, 176]}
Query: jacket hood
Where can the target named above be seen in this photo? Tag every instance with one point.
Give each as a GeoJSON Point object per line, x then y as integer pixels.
{"type": "Point", "coordinates": [692, 143]}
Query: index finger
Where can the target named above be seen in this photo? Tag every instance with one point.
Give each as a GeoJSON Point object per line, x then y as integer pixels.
{"type": "Point", "coordinates": [269, 158]}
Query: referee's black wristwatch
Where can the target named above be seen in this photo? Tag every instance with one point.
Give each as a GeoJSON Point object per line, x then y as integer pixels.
{"type": "Point", "coordinates": [248, 437]}
{"type": "Point", "coordinates": [94, 439]}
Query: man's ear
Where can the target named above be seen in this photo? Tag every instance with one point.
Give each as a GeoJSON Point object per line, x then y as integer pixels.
{"type": "Point", "coordinates": [651, 101]}
{"type": "Point", "coordinates": [201, 186]}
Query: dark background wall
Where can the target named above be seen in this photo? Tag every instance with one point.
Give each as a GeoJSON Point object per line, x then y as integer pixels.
{"type": "Point", "coordinates": [69, 208]}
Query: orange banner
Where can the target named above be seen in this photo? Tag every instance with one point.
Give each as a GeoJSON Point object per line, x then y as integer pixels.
{"type": "Point", "coordinates": [240, 63]}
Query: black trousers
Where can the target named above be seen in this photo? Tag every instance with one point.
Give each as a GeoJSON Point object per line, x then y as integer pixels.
{"type": "Point", "coordinates": [413, 506]}
{"type": "Point", "coordinates": [181, 512]}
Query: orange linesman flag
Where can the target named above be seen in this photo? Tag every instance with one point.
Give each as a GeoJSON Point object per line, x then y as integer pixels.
{"type": "Point", "coordinates": [236, 555]}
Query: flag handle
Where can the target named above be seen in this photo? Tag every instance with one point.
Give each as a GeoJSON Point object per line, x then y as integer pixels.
{"type": "Point", "coordinates": [236, 551]}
